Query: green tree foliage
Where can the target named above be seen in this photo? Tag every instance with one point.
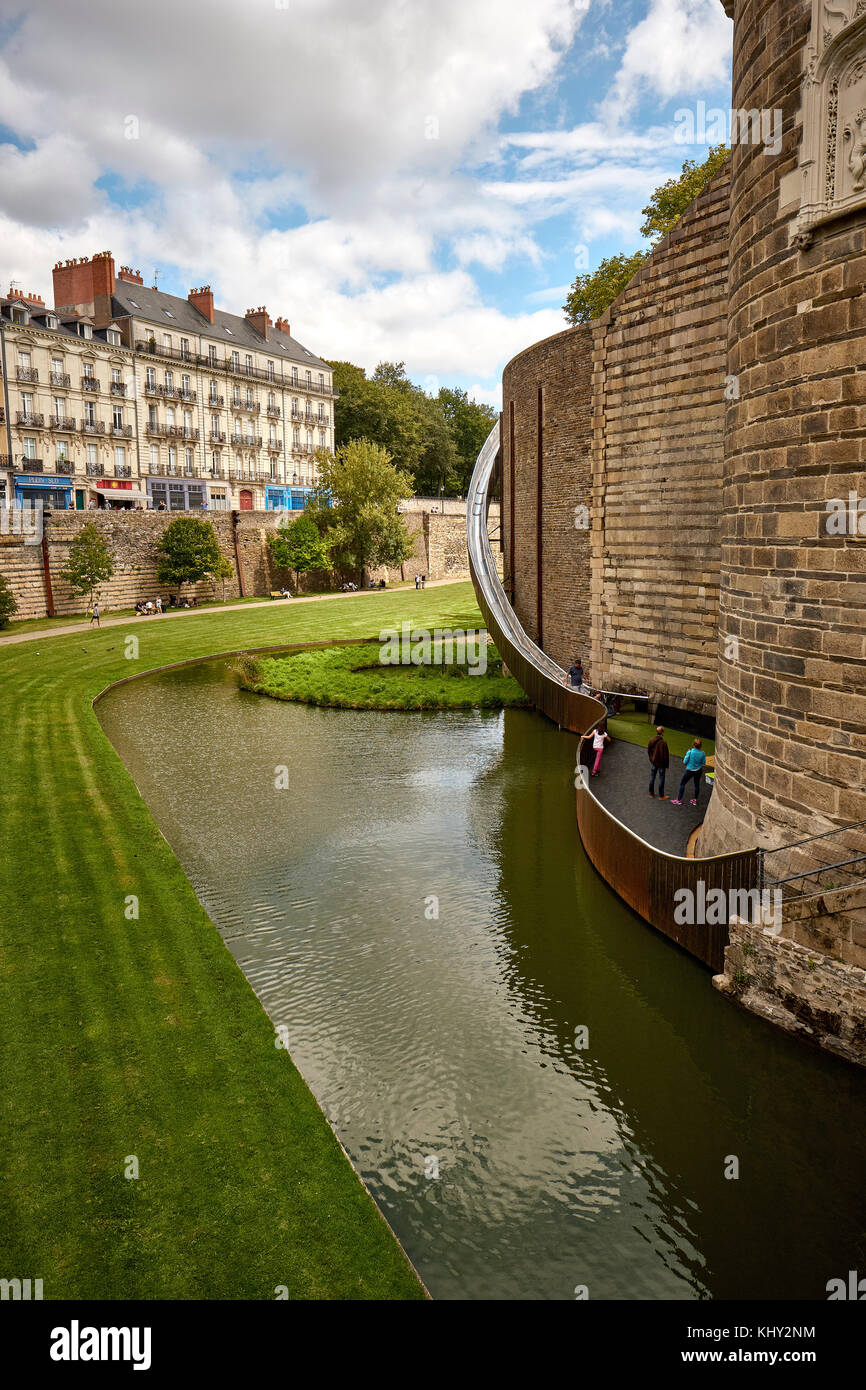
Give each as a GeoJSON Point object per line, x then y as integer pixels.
{"type": "Point", "coordinates": [8, 603]}
{"type": "Point", "coordinates": [671, 199]}
{"type": "Point", "coordinates": [90, 561]}
{"type": "Point", "coordinates": [592, 294]}
{"type": "Point", "coordinates": [188, 552]}
{"type": "Point", "coordinates": [299, 546]}
{"type": "Point", "coordinates": [435, 438]}
{"type": "Point", "coordinates": [355, 507]}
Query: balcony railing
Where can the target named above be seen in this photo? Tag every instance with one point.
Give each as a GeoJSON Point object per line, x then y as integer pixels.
{"type": "Point", "coordinates": [93, 427]}
{"type": "Point", "coordinates": [28, 465]}
{"type": "Point", "coordinates": [275, 446]}
{"type": "Point", "coordinates": [274, 411]}
{"type": "Point", "coordinates": [61, 422]}
{"type": "Point", "coordinates": [29, 420]}
{"type": "Point", "coordinates": [217, 437]}
{"type": "Point", "coordinates": [216, 401]}
{"type": "Point", "coordinates": [182, 432]}
{"type": "Point", "coordinates": [95, 470]}
{"type": "Point", "coordinates": [59, 379]}
{"type": "Point", "coordinates": [117, 388]}
{"type": "Point", "coordinates": [156, 427]}
{"type": "Point", "coordinates": [249, 441]}
{"type": "Point", "coordinates": [5, 460]}
{"type": "Point", "coordinates": [90, 383]}
{"type": "Point", "coordinates": [28, 374]}
{"type": "Point", "coordinates": [150, 345]}
{"type": "Point", "coordinates": [122, 431]}
{"type": "Point", "coordinates": [66, 467]}
{"type": "Point", "coordinates": [123, 470]}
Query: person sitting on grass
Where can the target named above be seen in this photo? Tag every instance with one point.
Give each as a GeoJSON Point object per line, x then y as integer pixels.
{"type": "Point", "coordinates": [694, 763]}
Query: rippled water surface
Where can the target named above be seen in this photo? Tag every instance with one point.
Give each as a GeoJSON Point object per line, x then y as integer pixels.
{"type": "Point", "coordinates": [452, 1042]}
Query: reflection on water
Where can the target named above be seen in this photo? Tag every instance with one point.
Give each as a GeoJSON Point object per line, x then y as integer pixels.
{"type": "Point", "coordinates": [452, 1041]}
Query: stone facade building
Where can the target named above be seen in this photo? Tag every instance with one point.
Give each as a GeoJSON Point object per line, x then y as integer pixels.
{"type": "Point", "coordinates": [122, 394]}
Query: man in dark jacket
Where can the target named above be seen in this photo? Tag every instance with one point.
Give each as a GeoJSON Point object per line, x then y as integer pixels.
{"type": "Point", "coordinates": [660, 758]}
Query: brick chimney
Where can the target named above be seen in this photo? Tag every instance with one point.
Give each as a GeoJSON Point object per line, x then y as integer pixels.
{"type": "Point", "coordinates": [202, 299]}
{"type": "Point", "coordinates": [30, 298]}
{"type": "Point", "coordinates": [86, 286]}
{"type": "Point", "coordinates": [260, 320]}
{"type": "Point", "coordinates": [284, 326]}
{"type": "Point", "coordinates": [132, 277]}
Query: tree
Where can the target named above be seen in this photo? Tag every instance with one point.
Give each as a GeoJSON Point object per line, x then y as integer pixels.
{"type": "Point", "coordinates": [223, 571]}
{"type": "Point", "coordinates": [188, 552]}
{"type": "Point", "coordinates": [90, 561]}
{"type": "Point", "coordinates": [470, 423]}
{"type": "Point", "coordinates": [437, 468]}
{"type": "Point", "coordinates": [299, 546]}
{"type": "Point", "coordinates": [8, 603]}
{"type": "Point", "coordinates": [355, 507]}
{"type": "Point", "coordinates": [591, 294]}
{"type": "Point", "coordinates": [670, 200]}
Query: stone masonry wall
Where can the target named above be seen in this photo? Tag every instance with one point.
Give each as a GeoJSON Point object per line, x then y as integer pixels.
{"type": "Point", "coordinates": [658, 458]}
{"type": "Point", "coordinates": [440, 552]}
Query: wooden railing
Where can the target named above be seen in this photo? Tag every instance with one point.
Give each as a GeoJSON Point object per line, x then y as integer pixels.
{"type": "Point", "coordinates": [646, 878]}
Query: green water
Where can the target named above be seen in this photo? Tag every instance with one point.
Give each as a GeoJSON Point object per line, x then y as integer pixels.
{"type": "Point", "coordinates": [511, 1161]}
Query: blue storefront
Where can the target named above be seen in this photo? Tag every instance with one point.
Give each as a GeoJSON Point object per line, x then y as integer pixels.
{"type": "Point", "coordinates": [287, 499]}
{"type": "Point", "coordinates": [53, 492]}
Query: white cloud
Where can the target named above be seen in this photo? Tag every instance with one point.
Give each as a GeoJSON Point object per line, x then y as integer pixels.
{"type": "Point", "coordinates": [682, 46]}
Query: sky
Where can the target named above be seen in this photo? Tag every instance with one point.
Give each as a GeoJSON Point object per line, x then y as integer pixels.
{"type": "Point", "coordinates": [403, 180]}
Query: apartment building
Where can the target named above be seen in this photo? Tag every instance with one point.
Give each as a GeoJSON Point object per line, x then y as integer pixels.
{"type": "Point", "coordinates": [173, 402]}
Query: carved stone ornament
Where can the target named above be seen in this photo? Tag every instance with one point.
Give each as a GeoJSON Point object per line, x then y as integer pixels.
{"type": "Point", "coordinates": [833, 148]}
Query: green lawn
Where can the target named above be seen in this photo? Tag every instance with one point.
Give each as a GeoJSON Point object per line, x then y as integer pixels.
{"type": "Point", "coordinates": [355, 678]}
{"type": "Point", "coordinates": [141, 1037]}
{"type": "Point", "coordinates": [633, 727]}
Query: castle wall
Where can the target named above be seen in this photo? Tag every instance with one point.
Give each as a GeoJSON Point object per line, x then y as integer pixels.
{"type": "Point", "coordinates": [792, 696]}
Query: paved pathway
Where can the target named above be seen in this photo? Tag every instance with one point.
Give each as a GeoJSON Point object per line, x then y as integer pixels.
{"type": "Point", "coordinates": [83, 625]}
{"type": "Point", "coordinates": [622, 788]}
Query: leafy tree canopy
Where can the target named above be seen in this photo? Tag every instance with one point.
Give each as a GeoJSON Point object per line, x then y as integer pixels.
{"type": "Point", "coordinates": [188, 552]}
{"type": "Point", "coordinates": [299, 546]}
{"type": "Point", "coordinates": [8, 603]}
{"type": "Point", "coordinates": [592, 294]}
{"type": "Point", "coordinates": [355, 507]}
{"type": "Point", "coordinates": [90, 561]}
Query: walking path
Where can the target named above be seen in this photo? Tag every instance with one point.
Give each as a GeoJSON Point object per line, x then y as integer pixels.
{"type": "Point", "coordinates": [622, 788]}
{"type": "Point", "coordinates": [132, 617]}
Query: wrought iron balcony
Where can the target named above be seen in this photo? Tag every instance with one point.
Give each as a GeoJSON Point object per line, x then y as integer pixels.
{"type": "Point", "coordinates": [122, 431]}
{"type": "Point", "coordinates": [217, 437]}
{"type": "Point", "coordinates": [274, 411]}
{"type": "Point", "coordinates": [249, 441]}
{"type": "Point", "coordinates": [93, 426]}
{"type": "Point", "coordinates": [28, 465]}
{"type": "Point", "coordinates": [182, 432]}
{"type": "Point", "coordinates": [28, 374]}
{"type": "Point", "coordinates": [61, 422]}
{"type": "Point", "coordinates": [117, 388]}
{"type": "Point", "coordinates": [216, 401]}
{"type": "Point", "coordinates": [59, 379]}
{"type": "Point", "coordinates": [90, 383]}
{"type": "Point", "coordinates": [66, 467]}
{"type": "Point", "coordinates": [275, 446]}
{"type": "Point", "coordinates": [29, 419]}
{"type": "Point", "coordinates": [151, 346]}
{"type": "Point", "coordinates": [95, 470]}
{"type": "Point", "coordinates": [156, 427]}
{"type": "Point", "coordinates": [123, 470]}
{"type": "Point", "coordinates": [5, 460]}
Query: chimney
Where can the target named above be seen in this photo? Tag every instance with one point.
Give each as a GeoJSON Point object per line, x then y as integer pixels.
{"type": "Point", "coordinates": [132, 277]}
{"type": "Point", "coordinates": [202, 299]}
{"type": "Point", "coordinates": [260, 320]}
{"type": "Point", "coordinates": [30, 298]}
{"type": "Point", "coordinates": [86, 286]}
{"type": "Point", "coordinates": [283, 326]}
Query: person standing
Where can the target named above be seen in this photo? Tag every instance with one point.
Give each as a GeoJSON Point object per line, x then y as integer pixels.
{"type": "Point", "coordinates": [94, 617]}
{"type": "Point", "coordinates": [574, 678]}
{"type": "Point", "coordinates": [599, 739]}
{"type": "Point", "coordinates": [694, 763]}
{"type": "Point", "coordinates": [158, 604]}
{"type": "Point", "coordinates": [660, 758]}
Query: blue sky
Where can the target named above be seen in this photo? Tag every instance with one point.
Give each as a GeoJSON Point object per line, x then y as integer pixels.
{"type": "Point", "coordinates": [413, 181]}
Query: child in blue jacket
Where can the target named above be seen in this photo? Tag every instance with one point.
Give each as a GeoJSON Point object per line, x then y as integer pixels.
{"type": "Point", "coordinates": [694, 763]}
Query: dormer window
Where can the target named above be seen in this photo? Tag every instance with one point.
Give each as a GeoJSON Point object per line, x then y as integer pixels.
{"type": "Point", "coordinates": [113, 337]}
{"type": "Point", "coordinates": [51, 321]}
{"type": "Point", "coordinates": [86, 330]}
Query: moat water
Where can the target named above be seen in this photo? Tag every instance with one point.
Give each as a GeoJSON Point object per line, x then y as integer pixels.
{"type": "Point", "coordinates": [511, 1160]}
